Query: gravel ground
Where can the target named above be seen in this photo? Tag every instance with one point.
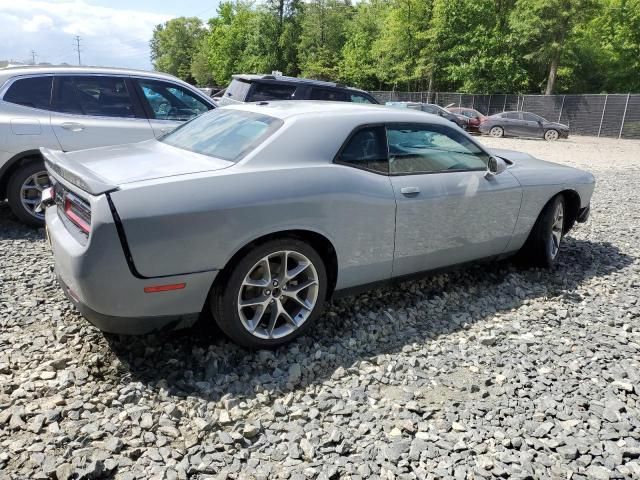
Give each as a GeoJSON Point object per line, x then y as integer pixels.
{"type": "Point", "coordinates": [488, 372]}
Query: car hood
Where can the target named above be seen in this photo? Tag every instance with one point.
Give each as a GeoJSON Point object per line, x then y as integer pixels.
{"type": "Point", "coordinates": [98, 170]}
{"type": "Point", "coordinates": [533, 171]}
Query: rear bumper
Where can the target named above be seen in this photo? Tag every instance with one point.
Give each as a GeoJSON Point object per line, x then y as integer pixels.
{"type": "Point", "coordinates": [127, 325]}
{"type": "Point", "coordinates": [98, 281]}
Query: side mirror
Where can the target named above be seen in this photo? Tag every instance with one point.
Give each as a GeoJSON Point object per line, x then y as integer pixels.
{"type": "Point", "coordinates": [495, 166]}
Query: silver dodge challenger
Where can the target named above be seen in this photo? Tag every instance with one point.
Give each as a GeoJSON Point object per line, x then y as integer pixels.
{"type": "Point", "coordinates": [261, 212]}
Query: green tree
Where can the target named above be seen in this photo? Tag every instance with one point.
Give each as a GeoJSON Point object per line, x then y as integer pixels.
{"type": "Point", "coordinates": [174, 44]}
{"type": "Point", "coordinates": [545, 30]}
{"type": "Point", "coordinates": [323, 34]}
{"type": "Point", "coordinates": [359, 64]}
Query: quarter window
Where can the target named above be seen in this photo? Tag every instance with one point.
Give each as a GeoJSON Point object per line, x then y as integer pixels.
{"type": "Point", "coordinates": [93, 95]}
{"type": "Point", "coordinates": [430, 149]}
{"type": "Point", "coordinates": [171, 102]}
{"type": "Point", "coordinates": [32, 92]}
{"type": "Point", "coordinates": [367, 148]}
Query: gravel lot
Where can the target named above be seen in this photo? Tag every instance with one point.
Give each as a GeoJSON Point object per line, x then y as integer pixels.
{"type": "Point", "coordinates": [488, 372]}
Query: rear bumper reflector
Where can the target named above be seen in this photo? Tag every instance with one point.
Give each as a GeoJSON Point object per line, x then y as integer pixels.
{"type": "Point", "coordinates": [164, 288]}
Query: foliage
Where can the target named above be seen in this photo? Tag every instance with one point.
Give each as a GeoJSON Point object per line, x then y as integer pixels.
{"type": "Point", "coordinates": [484, 46]}
{"type": "Point", "coordinates": [173, 45]}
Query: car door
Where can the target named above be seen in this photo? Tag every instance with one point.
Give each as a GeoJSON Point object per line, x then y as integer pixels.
{"type": "Point", "coordinates": [531, 125]}
{"type": "Point", "coordinates": [449, 210]}
{"type": "Point", "coordinates": [96, 110]}
{"type": "Point", "coordinates": [169, 105]}
{"type": "Point", "coordinates": [511, 123]}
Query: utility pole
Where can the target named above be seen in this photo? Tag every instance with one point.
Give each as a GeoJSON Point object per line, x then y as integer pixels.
{"type": "Point", "coordinates": [33, 57]}
{"type": "Point", "coordinates": [77, 39]}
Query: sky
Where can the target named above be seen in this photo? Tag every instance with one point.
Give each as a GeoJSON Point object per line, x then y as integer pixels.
{"type": "Point", "coordinates": [112, 33]}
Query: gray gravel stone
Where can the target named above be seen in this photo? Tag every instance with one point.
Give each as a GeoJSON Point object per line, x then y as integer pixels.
{"type": "Point", "coordinates": [491, 371]}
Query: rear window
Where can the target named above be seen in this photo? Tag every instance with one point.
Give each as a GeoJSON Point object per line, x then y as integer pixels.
{"type": "Point", "coordinates": [225, 134]}
{"type": "Point", "coordinates": [237, 90]}
{"type": "Point", "coordinates": [32, 92]}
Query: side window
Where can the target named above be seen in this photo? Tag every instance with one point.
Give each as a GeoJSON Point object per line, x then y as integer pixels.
{"type": "Point", "coordinates": [511, 116]}
{"type": "Point", "coordinates": [430, 109]}
{"type": "Point", "coordinates": [356, 98]}
{"type": "Point", "coordinates": [432, 148]}
{"type": "Point", "coordinates": [271, 91]}
{"type": "Point", "coordinates": [94, 95]}
{"type": "Point", "coordinates": [171, 102]}
{"type": "Point", "coordinates": [530, 117]}
{"type": "Point", "coordinates": [327, 94]}
{"type": "Point", "coordinates": [30, 92]}
{"type": "Point", "coordinates": [367, 148]}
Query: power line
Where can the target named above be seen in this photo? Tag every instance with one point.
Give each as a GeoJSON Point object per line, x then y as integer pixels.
{"type": "Point", "coordinates": [77, 39]}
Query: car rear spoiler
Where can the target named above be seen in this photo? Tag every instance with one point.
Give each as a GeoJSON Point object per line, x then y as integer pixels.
{"type": "Point", "coordinates": [61, 167]}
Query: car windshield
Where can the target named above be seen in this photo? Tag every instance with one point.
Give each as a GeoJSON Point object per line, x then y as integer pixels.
{"type": "Point", "coordinates": [225, 134]}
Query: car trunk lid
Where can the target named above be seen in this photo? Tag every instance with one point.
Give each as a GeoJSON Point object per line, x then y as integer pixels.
{"type": "Point", "coordinates": [104, 169]}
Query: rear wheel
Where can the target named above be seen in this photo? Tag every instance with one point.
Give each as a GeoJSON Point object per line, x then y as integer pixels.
{"type": "Point", "coordinates": [543, 245]}
{"type": "Point", "coordinates": [551, 135]}
{"type": "Point", "coordinates": [272, 295]}
{"type": "Point", "coordinates": [496, 132]}
{"type": "Point", "coordinates": [24, 191]}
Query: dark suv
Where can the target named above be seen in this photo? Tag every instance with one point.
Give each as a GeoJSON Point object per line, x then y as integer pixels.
{"type": "Point", "coordinates": [257, 88]}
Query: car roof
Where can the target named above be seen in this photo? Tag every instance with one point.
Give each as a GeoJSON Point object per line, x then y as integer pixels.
{"type": "Point", "coordinates": [18, 70]}
{"type": "Point", "coordinates": [364, 113]}
{"type": "Point", "coordinates": [283, 78]}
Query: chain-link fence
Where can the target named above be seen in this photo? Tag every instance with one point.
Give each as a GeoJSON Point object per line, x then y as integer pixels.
{"type": "Point", "coordinates": [614, 115]}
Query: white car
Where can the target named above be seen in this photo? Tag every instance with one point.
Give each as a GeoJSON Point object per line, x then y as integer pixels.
{"type": "Point", "coordinates": [73, 108]}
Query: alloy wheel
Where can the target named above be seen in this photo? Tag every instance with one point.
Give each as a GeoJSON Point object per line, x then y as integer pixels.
{"type": "Point", "coordinates": [278, 294]}
{"type": "Point", "coordinates": [496, 132]}
{"type": "Point", "coordinates": [556, 230]}
{"type": "Point", "coordinates": [31, 192]}
{"type": "Point", "coordinates": [551, 135]}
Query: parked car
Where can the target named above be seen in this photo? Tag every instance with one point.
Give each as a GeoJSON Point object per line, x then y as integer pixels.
{"type": "Point", "coordinates": [260, 212]}
{"type": "Point", "coordinates": [523, 124]}
{"type": "Point", "coordinates": [260, 88]}
{"type": "Point", "coordinates": [474, 116]}
{"type": "Point", "coordinates": [71, 108]}
{"type": "Point", "coordinates": [460, 120]}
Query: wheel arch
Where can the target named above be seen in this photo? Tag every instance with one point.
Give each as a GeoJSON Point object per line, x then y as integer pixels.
{"type": "Point", "coordinates": [13, 164]}
{"type": "Point", "coordinates": [572, 207]}
{"type": "Point", "coordinates": [319, 242]}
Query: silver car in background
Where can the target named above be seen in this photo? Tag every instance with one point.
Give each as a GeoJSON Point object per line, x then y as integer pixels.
{"type": "Point", "coordinates": [261, 212]}
{"type": "Point", "coordinates": [71, 108]}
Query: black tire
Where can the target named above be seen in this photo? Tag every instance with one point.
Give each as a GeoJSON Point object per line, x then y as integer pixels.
{"type": "Point", "coordinates": [225, 295]}
{"type": "Point", "coordinates": [538, 249]}
{"type": "Point", "coordinates": [14, 187]}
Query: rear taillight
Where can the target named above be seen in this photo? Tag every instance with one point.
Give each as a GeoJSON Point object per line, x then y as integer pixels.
{"type": "Point", "coordinates": [78, 211]}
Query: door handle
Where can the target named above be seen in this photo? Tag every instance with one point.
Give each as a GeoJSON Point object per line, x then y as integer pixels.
{"type": "Point", "coordinates": [409, 191]}
{"type": "Point", "coordinates": [73, 126]}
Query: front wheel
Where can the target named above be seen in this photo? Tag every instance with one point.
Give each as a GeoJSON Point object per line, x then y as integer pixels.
{"type": "Point", "coordinates": [496, 132]}
{"type": "Point", "coordinates": [24, 192]}
{"type": "Point", "coordinates": [272, 295]}
{"type": "Point", "coordinates": [551, 135]}
{"type": "Point", "coordinates": [543, 245]}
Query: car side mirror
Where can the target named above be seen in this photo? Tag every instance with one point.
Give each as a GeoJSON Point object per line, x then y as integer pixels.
{"type": "Point", "coordinates": [495, 166]}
